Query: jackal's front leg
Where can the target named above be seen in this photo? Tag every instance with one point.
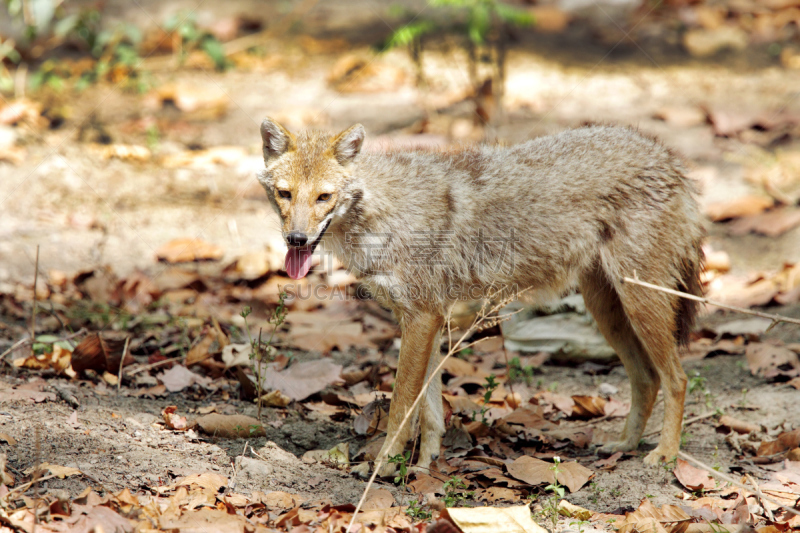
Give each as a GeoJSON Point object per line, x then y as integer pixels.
{"type": "Point", "coordinates": [419, 333]}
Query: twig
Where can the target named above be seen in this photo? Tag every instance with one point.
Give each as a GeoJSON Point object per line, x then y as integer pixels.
{"type": "Point", "coordinates": [724, 477]}
{"type": "Point", "coordinates": [481, 317]}
{"type": "Point", "coordinates": [14, 347]}
{"type": "Point", "coordinates": [122, 363]}
{"type": "Point", "coordinates": [35, 282]}
{"type": "Point", "coordinates": [154, 365]}
{"type": "Point", "coordinates": [688, 421]}
{"type": "Point", "coordinates": [775, 318]}
{"type": "Point", "coordinates": [763, 503]}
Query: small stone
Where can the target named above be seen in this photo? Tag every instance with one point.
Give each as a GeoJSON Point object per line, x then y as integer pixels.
{"type": "Point", "coordinates": [607, 390]}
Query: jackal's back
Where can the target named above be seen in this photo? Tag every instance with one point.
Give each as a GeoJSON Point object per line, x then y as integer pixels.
{"type": "Point", "coordinates": [536, 214]}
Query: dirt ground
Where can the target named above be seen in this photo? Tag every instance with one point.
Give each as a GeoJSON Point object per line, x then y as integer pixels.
{"type": "Point", "coordinates": [84, 210]}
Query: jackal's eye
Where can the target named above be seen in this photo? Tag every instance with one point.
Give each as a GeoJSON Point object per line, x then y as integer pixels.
{"type": "Point", "coordinates": [285, 194]}
{"type": "Point", "coordinates": [324, 197]}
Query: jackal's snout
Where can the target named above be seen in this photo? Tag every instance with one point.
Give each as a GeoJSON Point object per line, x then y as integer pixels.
{"type": "Point", "coordinates": [297, 239]}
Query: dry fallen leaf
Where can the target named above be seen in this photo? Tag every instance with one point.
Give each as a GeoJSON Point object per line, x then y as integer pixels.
{"type": "Point", "coordinates": [768, 360]}
{"type": "Point", "coordinates": [378, 499]}
{"type": "Point", "coordinates": [588, 406]}
{"type": "Point", "coordinates": [651, 519]}
{"type": "Point", "coordinates": [179, 377]}
{"type": "Point", "coordinates": [99, 354]}
{"type": "Point", "coordinates": [739, 426]}
{"type": "Point", "coordinates": [301, 380]}
{"type": "Point", "coordinates": [739, 207]}
{"type": "Point", "coordinates": [785, 441]}
{"type": "Point", "coordinates": [230, 426]}
{"type": "Point", "coordinates": [188, 250]}
{"type": "Point", "coordinates": [771, 223]}
{"type": "Point", "coordinates": [172, 419]}
{"type": "Point", "coordinates": [693, 478]}
{"type": "Point", "coordinates": [493, 519]}
{"type": "Point", "coordinates": [535, 472]}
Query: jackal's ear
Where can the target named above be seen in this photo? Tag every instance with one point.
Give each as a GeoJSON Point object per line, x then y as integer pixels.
{"type": "Point", "coordinates": [347, 144]}
{"type": "Point", "coordinates": [277, 140]}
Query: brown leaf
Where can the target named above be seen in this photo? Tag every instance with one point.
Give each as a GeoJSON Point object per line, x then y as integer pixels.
{"type": "Point", "coordinates": [648, 518]}
{"type": "Point", "coordinates": [179, 377]}
{"type": "Point", "coordinates": [425, 484]}
{"type": "Point", "coordinates": [212, 343]}
{"type": "Point", "coordinates": [230, 426]}
{"type": "Point", "coordinates": [458, 367]}
{"type": "Point", "coordinates": [565, 404]}
{"type": "Point", "coordinates": [693, 478]}
{"type": "Point", "coordinates": [535, 471]}
{"type": "Point", "coordinates": [615, 408]}
{"type": "Point", "coordinates": [588, 406]}
{"type": "Point", "coordinates": [772, 223]}
{"type": "Point", "coordinates": [499, 494]}
{"type": "Point", "coordinates": [324, 338]}
{"type": "Point", "coordinates": [378, 499]}
{"type": "Point", "coordinates": [768, 360]}
{"type": "Point", "coordinates": [301, 380]}
{"type": "Point", "coordinates": [530, 416]}
{"type": "Point", "coordinates": [785, 441]}
{"type": "Point", "coordinates": [739, 426]}
{"type": "Point", "coordinates": [609, 463]}
{"type": "Point", "coordinates": [173, 420]}
{"type": "Point", "coordinates": [187, 250]}
{"type": "Point", "coordinates": [739, 207]}
{"type": "Point", "coordinates": [574, 475]}
{"type": "Point", "coordinates": [485, 519]}
{"type": "Point", "coordinates": [99, 354]}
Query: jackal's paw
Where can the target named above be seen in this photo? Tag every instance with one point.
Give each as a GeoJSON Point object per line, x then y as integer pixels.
{"type": "Point", "coordinates": [659, 455]}
{"type": "Point", "coordinates": [364, 470]}
{"type": "Point", "coordinates": [616, 446]}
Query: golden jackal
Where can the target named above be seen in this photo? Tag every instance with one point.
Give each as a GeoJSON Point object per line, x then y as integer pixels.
{"type": "Point", "coordinates": [422, 229]}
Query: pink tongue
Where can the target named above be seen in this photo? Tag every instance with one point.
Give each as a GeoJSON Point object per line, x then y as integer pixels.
{"type": "Point", "coordinates": [298, 262]}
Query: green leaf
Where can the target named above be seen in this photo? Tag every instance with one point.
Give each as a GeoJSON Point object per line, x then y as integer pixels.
{"type": "Point", "coordinates": [514, 15]}
{"type": "Point", "coordinates": [479, 23]}
{"type": "Point", "coordinates": [66, 25]}
{"type": "Point", "coordinates": [216, 52]}
{"type": "Point", "coordinates": [409, 33]}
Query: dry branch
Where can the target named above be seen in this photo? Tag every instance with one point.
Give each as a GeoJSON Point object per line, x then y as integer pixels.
{"type": "Point", "coordinates": [775, 318]}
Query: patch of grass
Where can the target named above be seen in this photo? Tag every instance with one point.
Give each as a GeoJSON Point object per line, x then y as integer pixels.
{"type": "Point", "coordinates": [454, 492]}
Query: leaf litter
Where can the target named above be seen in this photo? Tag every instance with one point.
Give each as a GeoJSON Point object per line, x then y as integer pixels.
{"type": "Point", "coordinates": [500, 444]}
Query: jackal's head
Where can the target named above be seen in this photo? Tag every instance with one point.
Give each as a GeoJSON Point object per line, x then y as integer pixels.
{"type": "Point", "coordinates": [307, 179]}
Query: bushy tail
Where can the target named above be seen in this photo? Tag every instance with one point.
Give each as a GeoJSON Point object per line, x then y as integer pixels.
{"type": "Point", "coordinates": [686, 314]}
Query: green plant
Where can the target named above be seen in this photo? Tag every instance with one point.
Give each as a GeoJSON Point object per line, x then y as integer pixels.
{"type": "Point", "coordinates": [489, 387]}
{"type": "Point", "coordinates": [580, 523]}
{"type": "Point", "coordinates": [482, 26]}
{"type": "Point", "coordinates": [557, 492]}
{"type": "Point", "coordinates": [153, 137]}
{"type": "Point", "coordinates": [596, 492]}
{"type": "Point", "coordinates": [454, 492]}
{"type": "Point", "coordinates": [401, 460]}
{"type": "Point", "coordinates": [262, 352]}
{"type": "Point", "coordinates": [417, 511]}
{"type": "Point", "coordinates": [517, 371]}
{"type": "Point", "coordinates": [743, 401]}
{"type": "Point", "coordinates": [193, 38]}
{"type": "Point", "coordinates": [8, 52]}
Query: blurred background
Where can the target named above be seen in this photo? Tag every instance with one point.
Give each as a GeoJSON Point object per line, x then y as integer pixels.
{"type": "Point", "coordinates": [127, 125]}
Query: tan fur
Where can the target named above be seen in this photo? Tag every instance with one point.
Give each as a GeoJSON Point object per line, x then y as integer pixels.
{"type": "Point", "coordinates": [579, 209]}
